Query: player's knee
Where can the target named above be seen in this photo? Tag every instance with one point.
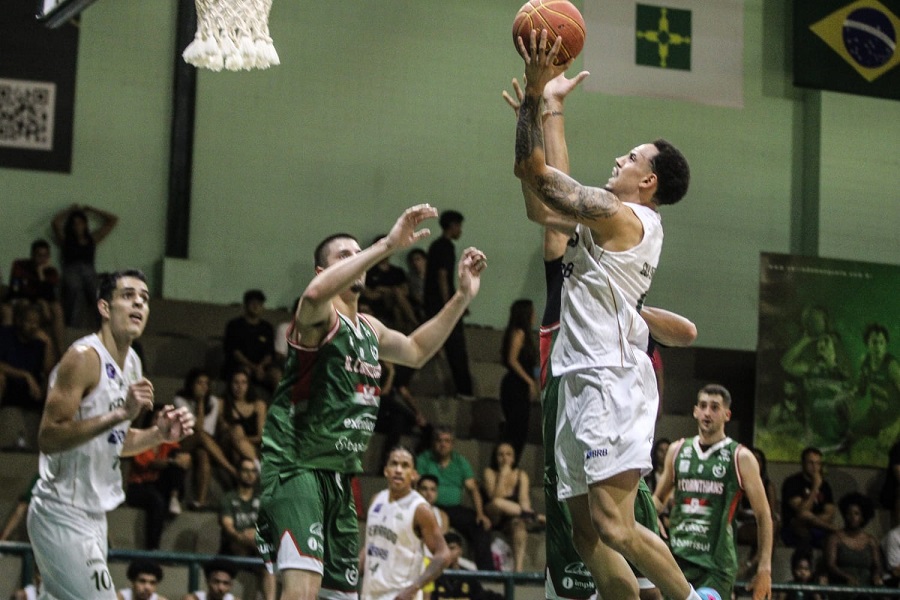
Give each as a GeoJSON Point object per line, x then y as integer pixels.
{"type": "Point", "coordinates": [613, 533]}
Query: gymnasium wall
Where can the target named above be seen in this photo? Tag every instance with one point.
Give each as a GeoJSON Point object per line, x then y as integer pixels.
{"type": "Point", "coordinates": [380, 105]}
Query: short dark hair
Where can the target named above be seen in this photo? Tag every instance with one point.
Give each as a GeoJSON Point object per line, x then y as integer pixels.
{"type": "Point", "coordinates": [143, 565]}
{"type": "Point", "coordinates": [107, 282]}
{"type": "Point", "coordinates": [451, 537]}
{"type": "Point", "coordinates": [427, 477]}
{"type": "Point", "coordinates": [866, 506]}
{"type": "Point", "coordinates": [809, 450]}
{"type": "Point", "coordinates": [40, 243]}
{"type": "Point", "coordinates": [219, 565]}
{"type": "Point", "coordinates": [801, 554]}
{"type": "Point", "coordinates": [319, 252]}
{"type": "Point", "coordinates": [673, 174]}
{"type": "Point", "coordinates": [251, 295]}
{"type": "Point", "coordinates": [714, 389]}
{"type": "Point", "coordinates": [872, 329]}
{"type": "Point", "coordinates": [450, 217]}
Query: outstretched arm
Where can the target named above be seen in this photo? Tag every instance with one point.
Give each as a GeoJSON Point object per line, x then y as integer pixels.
{"type": "Point", "coordinates": [668, 328]}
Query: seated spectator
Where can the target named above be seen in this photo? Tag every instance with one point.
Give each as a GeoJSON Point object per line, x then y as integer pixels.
{"type": "Point", "coordinates": [807, 504]}
{"type": "Point", "coordinates": [520, 385]}
{"type": "Point", "coordinates": [891, 547]}
{"type": "Point", "coordinates": [657, 460]}
{"type": "Point", "coordinates": [452, 587]}
{"type": "Point", "coordinates": [144, 576]}
{"type": "Point", "coordinates": [455, 475]}
{"type": "Point", "coordinates": [852, 556]}
{"type": "Point", "coordinates": [26, 357]}
{"type": "Point", "coordinates": [155, 484]}
{"type": "Point", "coordinates": [242, 418]}
{"type": "Point", "coordinates": [17, 515]}
{"type": "Point", "coordinates": [34, 280]}
{"type": "Point", "coordinates": [398, 412]}
{"type": "Point", "coordinates": [387, 295]}
{"type": "Point", "coordinates": [802, 573]}
{"type": "Point", "coordinates": [508, 500]}
{"type": "Point", "coordinates": [427, 485]}
{"type": "Point", "coordinates": [195, 395]}
{"type": "Point", "coordinates": [416, 263]}
{"type": "Point", "coordinates": [250, 342]}
{"type": "Point", "coordinates": [30, 591]}
{"type": "Point", "coordinates": [219, 579]}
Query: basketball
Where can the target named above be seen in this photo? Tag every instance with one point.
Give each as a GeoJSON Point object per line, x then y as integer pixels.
{"type": "Point", "coordinates": [559, 17]}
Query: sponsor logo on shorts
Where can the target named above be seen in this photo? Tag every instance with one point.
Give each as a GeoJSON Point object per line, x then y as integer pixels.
{"type": "Point", "coordinates": [317, 530]}
{"type": "Point", "coordinates": [351, 575]}
{"type": "Point", "coordinates": [577, 568]}
{"type": "Point", "coordinates": [313, 543]}
{"type": "Point", "coordinates": [596, 453]}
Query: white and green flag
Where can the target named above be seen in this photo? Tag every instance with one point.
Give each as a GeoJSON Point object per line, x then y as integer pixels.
{"type": "Point", "coordinates": [681, 49]}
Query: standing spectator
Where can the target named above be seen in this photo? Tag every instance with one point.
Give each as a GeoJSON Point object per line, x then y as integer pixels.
{"type": "Point", "coordinates": [78, 243]}
{"type": "Point", "coordinates": [807, 504]}
{"type": "Point", "coordinates": [439, 288]}
{"type": "Point", "coordinates": [455, 474]}
{"type": "Point", "coordinates": [250, 341]}
{"type": "Point", "coordinates": [242, 418]}
{"type": "Point", "coordinates": [26, 357]}
{"type": "Point", "coordinates": [35, 280]}
{"type": "Point", "coordinates": [508, 500]}
{"type": "Point", "coordinates": [219, 579]}
{"type": "Point", "coordinates": [890, 491]}
{"type": "Point", "coordinates": [30, 591]}
{"type": "Point", "coordinates": [519, 386]}
{"type": "Point", "coordinates": [144, 575]}
{"type": "Point", "coordinates": [416, 265]}
{"type": "Point", "coordinates": [155, 484]}
{"type": "Point", "coordinates": [853, 556]}
{"type": "Point", "coordinates": [196, 397]}
{"type": "Point", "coordinates": [802, 574]}
{"type": "Point", "coordinates": [387, 295]}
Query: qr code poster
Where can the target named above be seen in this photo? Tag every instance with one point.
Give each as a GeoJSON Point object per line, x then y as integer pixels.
{"type": "Point", "coordinates": [27, 110]}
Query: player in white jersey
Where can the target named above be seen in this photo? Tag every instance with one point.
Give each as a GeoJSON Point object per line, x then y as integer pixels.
{"type": "Point", "coordinates": [95, 392]}
{"type": "Point", "coordinates": [399, 527]}
{"type": "Point", "coordinates": [608, 399]}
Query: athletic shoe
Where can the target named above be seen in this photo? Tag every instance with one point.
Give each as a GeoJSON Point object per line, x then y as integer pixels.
{"type": "Point", "coordinates": [708, 594]}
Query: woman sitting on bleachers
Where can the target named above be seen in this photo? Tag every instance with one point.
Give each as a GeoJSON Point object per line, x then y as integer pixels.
{"type": "Point", "coordinates": [202, 445]}
{"type": "Point", "coordinates": [852, 556]}
{"type": "Point", "coordinates": [242, 418]}
{"type": "Point", "coordinates": [507, 498]}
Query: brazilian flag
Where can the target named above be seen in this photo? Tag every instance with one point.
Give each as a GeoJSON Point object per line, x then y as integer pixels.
{"type": "Point", "coordinates": [848, 46]}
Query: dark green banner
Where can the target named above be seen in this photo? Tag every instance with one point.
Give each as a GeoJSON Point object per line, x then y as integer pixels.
{"type": "Point", "coordinates": [848, 46]}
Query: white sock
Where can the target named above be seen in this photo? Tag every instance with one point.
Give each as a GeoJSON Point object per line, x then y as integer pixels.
{"type": "Point", "coordinates": [693, 595]}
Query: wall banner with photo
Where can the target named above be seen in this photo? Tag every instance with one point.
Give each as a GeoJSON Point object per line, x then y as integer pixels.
{"type": "Point", "coordinates": [827, 359]}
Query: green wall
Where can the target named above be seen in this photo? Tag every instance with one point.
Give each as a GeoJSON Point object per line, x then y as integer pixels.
{"type": "Point", "coordinates": [380, 105]}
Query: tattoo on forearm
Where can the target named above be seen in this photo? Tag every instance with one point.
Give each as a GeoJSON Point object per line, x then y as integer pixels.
{"type": "Point", "coordinates": [567, 196]}
{"type": "Point", "coordinates": [529, 135]}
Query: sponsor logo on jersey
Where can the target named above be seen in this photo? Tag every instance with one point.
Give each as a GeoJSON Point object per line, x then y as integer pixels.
{"type": "Point", "coordinates": [719, 471]}
{"type": "Point", "coordinates": [691, 527]}
{"type": "Point", "coordinates": [725, 455]}
{"type": "Point", "coordinates": [690, 543]}
{"type": "Point", "coordinates": [350, 446]}
{"type": "Point", "coordinates": [696, 506]}
{"type": "Point", "coordinates": [687, 451]}
{"type": "Point", "coordinates": [684, 466]}
{"type": "Point", "coordinates": [111, 371]}
{"type": "Point", "coordinates": [367, 395]}
{"type": "Point", "coordinates": [116, 437]}
{"type": "Point", "coordinates": [701, 486]}
{"type": "Point", "coordinates": [382, 531]}
{"type": "Point", "coordinates": [362, 422]}
{"type": "Point", "coordinates": [377, 552]}
{"type": "Point", "coordinates": [354, 364]}
{"type": "Point", "coordinates": [377, 508]}
{"type": "Point", "coordinates": [596, 453]}
{"type": "Point", "coordinates": [648, 270]}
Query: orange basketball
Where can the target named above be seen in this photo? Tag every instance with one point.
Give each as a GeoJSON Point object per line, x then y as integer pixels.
{"type": "Point", "coordinates": [559, 17]}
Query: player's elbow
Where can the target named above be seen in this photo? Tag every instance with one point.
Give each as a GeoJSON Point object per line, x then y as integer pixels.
{"type": "Point", "coordinates": [688, 334]}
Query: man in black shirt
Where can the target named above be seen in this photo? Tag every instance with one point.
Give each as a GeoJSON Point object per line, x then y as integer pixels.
{"type": "Point", "coordinates": [807, 504]}
{"type": "Point", "coordinates": [250, 340]}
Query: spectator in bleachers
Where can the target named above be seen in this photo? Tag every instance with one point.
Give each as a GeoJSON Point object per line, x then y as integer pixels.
{"type": "Point", "coordinates": [387, 295]}
{"type": "Point", "coordinates": [250, 341]}
{"type": "Point", "coordinates": [891, 547]}
{"type": "Point", "coordinates": [416, 264]}
{"type": "Point", "coordinates": [807, 504]}
{"type": "Point", "coordinates": [852, 556]}
{"type": "Point", "coordinates": [17, 515]}
{"type": "Point", "coordinates": [451, 587]}
{"type": "Point", "coordinates": [78, 245]}
{"type": "Point", "coordinates": [398, 411]}
{"type": "Point", "coordinates": [30, 591]}
{"type": "Point", "coordinates": [802, 574]}
{"type": "Point", "coordinates": [427, 485]}
{"type": "Point", "coordinates": [26, 357]}
{"type": "Point", "coordinates": [242, 418]}
{"type": "Point", "coordinates": [219, 580]}
{"type": "Point", "coordinates": [281, 332]}
{"type": "Point", "coordinates": [156, 484]}
{"type": "Point", "coordinates": [890, 491]}
{"type": "Point", "coordinates": [454, 472]}
{"type": "Point", "coordinates": [144, 575]}
{"type": "Point", "coordinates": [657, 460]}
{"type": "Point", "coordinates": [508, 500]}
{"type": "Point", "coordinates": [440, 284]}
{"type": "Point", "coordinates": [201, 445]}
{"type": "Point", "coordinates": [519, 386]}
{"type": "Point", "coordinates": [34, 280]}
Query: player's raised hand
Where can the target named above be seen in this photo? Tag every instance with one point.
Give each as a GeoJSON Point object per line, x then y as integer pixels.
{"type": "Point", "coordinates": [174, 424]}
{"type": "Point", "coordinates": [471, 264]}
{"type": "Point", "coordinates": [404, 232]}
{"type": "Point", "coordinates": [556, 90]}
{"type": "Point", "coordinates": [139, 398]}
{"type": "Point", "coordinates": [761, 585]}
{"type": "Point", "coordinates": [540, 59]}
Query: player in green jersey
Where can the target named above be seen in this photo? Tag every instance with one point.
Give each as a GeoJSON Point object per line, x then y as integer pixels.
{"type": "Point", "coordinates": [323, 411]}
{"type": "Point", "coordinates": [709, 473]}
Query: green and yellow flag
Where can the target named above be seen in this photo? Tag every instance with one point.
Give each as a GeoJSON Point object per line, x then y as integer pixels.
{"type": "Point", "coordinates": [681, 49]}
{"type": "Point", "coordinates": [848, 46]}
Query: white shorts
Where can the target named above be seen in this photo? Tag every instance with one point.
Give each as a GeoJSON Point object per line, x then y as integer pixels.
{"type": "Point", "coordinates": [70, 549]}
{"type": "Point", "coordinates": [605, 423]}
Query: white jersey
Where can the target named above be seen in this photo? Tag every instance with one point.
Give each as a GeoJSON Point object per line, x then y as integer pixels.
{"type": "Point", "coordinates": [202, 595]}
{"type": "Point", "coordinates": [88, 476]}
{"type": "Point", "coordinates": [394, 554]}
{"type": "Point", "coordinates": [600, 325]}
{"type": "Point", "coordinates": [127, 595]}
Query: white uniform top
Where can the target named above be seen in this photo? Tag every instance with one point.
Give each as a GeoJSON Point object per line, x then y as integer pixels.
{"type": "Point", "coordinates": [127, 595]}
{"type": "Point", "coordinates": [600, 325]}
{"type": "Point", "coordinates": [88, 476]}
{"type": "Point", "coordinates": [202, 595]}
{"type": "Point", "coordinates": [394, 554]}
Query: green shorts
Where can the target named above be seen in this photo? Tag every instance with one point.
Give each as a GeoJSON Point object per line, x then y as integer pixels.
{"type": "Point", "coordinates": [645, 514]}
{"type": "Point", "coordinates": [308, 522]}
{"type": "Point", "coordinates": [702, 577]}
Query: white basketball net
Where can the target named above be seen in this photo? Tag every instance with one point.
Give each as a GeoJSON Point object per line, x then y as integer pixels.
{"type": "Point", "coordinates": [232, 34]}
